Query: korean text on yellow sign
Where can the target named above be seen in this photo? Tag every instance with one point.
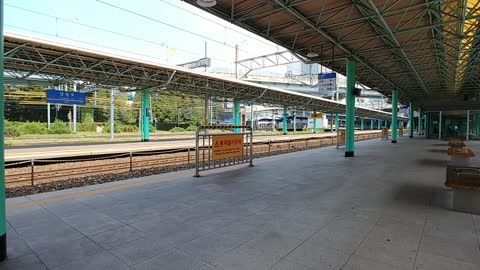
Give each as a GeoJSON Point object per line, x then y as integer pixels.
{"type": "Point", "coordinates": [227, 146]}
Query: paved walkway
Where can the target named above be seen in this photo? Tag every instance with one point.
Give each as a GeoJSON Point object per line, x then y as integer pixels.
{"type": "Point", "coordinates": [383, 209]}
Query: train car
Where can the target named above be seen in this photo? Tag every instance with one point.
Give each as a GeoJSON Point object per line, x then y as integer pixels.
{"type": "Point", "coordinates": [265, 123]}
{"type": "Point", "coordinates": [301, 123]}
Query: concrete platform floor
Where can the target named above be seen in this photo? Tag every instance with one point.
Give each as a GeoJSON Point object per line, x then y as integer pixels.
{"type": "Point", "coordinates": [383, 209]}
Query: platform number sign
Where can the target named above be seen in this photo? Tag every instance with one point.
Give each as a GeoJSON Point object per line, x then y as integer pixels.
{"type": "Point", "coordinates": [316, 115]}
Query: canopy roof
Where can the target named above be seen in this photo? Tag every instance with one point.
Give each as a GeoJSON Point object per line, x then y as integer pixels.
{"type": "Point", "coordinates": [27, 57]}
{"type": "Point", "coordinates": [427, 49]}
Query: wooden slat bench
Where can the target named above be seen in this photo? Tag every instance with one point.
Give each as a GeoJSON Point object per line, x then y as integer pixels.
{"type": "Point", "coordinates": [463, 176]}
{"type": "Point", "coordinates": [460, 152]}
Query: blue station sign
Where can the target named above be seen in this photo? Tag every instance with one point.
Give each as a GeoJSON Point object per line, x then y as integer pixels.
{"type": "Point", "coordinates": [66, 98]}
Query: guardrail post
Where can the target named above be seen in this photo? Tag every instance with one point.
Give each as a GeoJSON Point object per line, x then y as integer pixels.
{"type": "Point", "coordinates": [32, 177]}
{"type": "Point", "coordinates": [251, 146]}
{"type": "Point", "coordinates": [197, 154]}
{"type": "Point", "coordinates": [188, 158]}
{"type": "Point", "coordinates": [269, 146]}
{"type": "Point", "coordinates": [131, 161]}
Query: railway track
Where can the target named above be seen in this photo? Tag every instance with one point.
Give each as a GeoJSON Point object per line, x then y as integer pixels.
{"type": "Point", "coordinates": [44, 171]}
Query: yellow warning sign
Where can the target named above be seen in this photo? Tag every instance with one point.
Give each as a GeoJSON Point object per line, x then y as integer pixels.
{"type": "Point", "coordinates": [227, 146]}
{"type": "Point", "coordinates": [316, 115]}
{"type": "Point", "coordinates": [342, 136]}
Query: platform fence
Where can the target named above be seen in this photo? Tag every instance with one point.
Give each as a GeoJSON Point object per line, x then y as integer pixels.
{"type": "Point", "coordinates": [41, 171]}
{"type": "Point", "coordinates": [233, 146]}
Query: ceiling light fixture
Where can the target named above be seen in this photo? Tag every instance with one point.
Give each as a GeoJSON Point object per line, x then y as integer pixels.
{"type": "Point", "coordinates": [312, 54]}
{"type": "Point", "coordinates": [206, 3]}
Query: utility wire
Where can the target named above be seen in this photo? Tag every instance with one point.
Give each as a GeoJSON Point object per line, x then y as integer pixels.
{"type": "Point", "coordinates": [219, 24]}
{"type": "Point", "coordinates": [128, 36]}
{"type": "Point", "coordinates": [81, 41]}
{"type": "Point", "coordinates": [168, 24]}
{"type": "Point", "coordinates": [109, 31]}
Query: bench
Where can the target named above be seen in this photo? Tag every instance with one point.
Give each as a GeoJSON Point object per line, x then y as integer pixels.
{"type": "Point", "coordinates": [463, 176]}
{"type": "Point", "coordinates": [456, 144]}
{"type": "Point", "coordinates": [460, 152]}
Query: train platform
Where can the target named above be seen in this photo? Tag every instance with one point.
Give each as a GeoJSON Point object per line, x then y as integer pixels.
{"type": "Point", "coordinates": [385, 208]}
{"type": "Point", "coordinates": [84, 150]}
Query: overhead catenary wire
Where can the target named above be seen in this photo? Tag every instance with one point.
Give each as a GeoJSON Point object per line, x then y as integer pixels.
{"type": "Point", "coordinates": [168, 24]}
{"type": "Point", "coordinates": [222, 25]}
{"type": "Point", "coordinates": [125, 35]}
{"type": "Point", "coordinates": [163, 44]}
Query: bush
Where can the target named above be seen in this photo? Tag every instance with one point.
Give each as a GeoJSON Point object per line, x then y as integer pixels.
{"type": "Point", "coordinates": [177, 129]}
{"type": "Point", "coordinates": [59, 127]}
{"type": "Point", "coordinates": [87, 127]}
{"type": "Point", "coordinates": [191, 128]}
{"type": "Point", "coordinates": [128, 128]}
{"type": "Point", "coordinates": [12, 129]}
{"type": "Point", "coordinates": [33, 128]}
{"type": "Point", "coordinates": [116, 128]}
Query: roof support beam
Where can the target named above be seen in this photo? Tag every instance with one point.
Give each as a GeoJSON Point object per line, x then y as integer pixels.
{"type": "Point", "coordinates": [381, 26]}
{"type": "Point", "coordinates": [327, 36]}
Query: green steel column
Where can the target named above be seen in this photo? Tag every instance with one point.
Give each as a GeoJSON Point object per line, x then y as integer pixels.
{"type": "Point", "coordinates": [379, 124]}
{"type": "Point", "coordinates": [394, 115]}
{"type": "Point", "coordinates": [145, 116]}
{"type": "Point", "coordinates": [285, 115]}
{"type": "Point", "coordinates": [425, 124]}
{"type": "Point", "coordinates": [362, 127]}
{"type": "Point", "coordinates": [371, 124]}
{"type": "Point", "coordinates": [337, 122]}
{"type": "Point", "coordinates": [314, 124]}
{"type": "Point", "coordinates": [350, 113]}
{"type": "Point", "coordinates": [3, 221]}
{"type": "Point", "coordinates": [419, 129]}
{"type": "Point", "coordinates": [236, 115]}
{"type": "Point", "coordinates": [410, 120]}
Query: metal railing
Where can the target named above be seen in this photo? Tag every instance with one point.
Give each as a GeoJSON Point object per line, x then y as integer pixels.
{"type": "Point", "coordinates": [37, 171]}
{"type": "Point", "coordinates": [216, 150]}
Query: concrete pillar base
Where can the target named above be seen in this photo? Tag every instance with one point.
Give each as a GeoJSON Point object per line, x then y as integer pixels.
{"type": "Point", "coordinates": [349, 154]}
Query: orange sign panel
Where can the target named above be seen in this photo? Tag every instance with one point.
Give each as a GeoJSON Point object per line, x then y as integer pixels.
{"type": "Point", "coordinates": [227, 146]}
{"type": "Point", "coordinates": [342, 136]}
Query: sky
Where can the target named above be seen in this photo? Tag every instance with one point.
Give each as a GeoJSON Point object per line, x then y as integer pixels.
{"type": "Point", "coordinates": [165, 31]}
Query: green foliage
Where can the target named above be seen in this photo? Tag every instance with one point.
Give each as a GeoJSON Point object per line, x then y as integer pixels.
{"type": "Point", "coordinates": [33, 128]}
{"type": "Point", "coordinates": [12, 129]}
{"type": "Point", "coordinates": [86, 115]}
{"type": "Point", "coordinates": [177, 129]}
{"type": "Point", "coordinates": [128, 128]}
{"type": "Point", "coordinates": [127, 116]}
{"type": "Point", "coordinates": [191, 128]}
{"type": "Point", "coordinates": [116, 127]}
{"type": "Point", "coordinates": [171, 109]}
{"type": "Point", "coordinates": [59, 127]}
{"type": "Point", "coordinates": [87, 126]}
